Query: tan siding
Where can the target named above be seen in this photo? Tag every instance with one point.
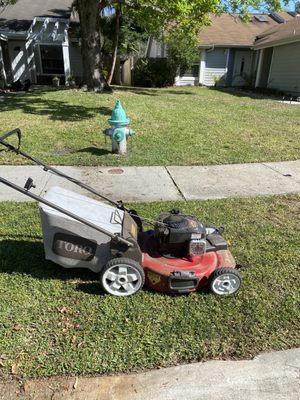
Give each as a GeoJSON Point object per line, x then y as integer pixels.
{"type": "Point", "coordinates": [285, 68]}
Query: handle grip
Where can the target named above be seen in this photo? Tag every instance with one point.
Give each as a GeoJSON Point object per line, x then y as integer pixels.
{"type": "Point", "coordinates": [8, 134]}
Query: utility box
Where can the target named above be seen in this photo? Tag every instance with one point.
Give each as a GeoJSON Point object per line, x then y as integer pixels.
{"type": "Point", "coordinates": [72, 244]}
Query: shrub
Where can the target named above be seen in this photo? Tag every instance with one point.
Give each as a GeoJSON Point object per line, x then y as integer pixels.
{"type": "Point", "coordinates": [154, 72]}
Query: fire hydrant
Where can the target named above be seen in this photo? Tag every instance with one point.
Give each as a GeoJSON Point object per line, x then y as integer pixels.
{"type": "Point", "coordinates": [119, 131]}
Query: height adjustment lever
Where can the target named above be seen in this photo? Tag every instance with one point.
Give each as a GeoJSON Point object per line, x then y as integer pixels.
{"type": "Point", "coordinates": [29, 184]}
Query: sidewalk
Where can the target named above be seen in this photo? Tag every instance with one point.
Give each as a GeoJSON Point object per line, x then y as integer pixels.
{"type": "Point", "coordinates": [138, 184]}
{"type": "Point", "coordinates": [270, 376]}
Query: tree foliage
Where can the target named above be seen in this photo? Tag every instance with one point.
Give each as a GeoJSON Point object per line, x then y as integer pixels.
{"type": "Point", "coordinates": [182, 50]}
{"type": "Point", "coordinates": [132, 40]}
{"type": "Point", "coordinates": [178, 22]}
{"type": "Point", "coordinates": [187, 15]}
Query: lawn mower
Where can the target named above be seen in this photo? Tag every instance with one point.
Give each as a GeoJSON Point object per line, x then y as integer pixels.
{"type": "Point", "coordinates": [179, 254]}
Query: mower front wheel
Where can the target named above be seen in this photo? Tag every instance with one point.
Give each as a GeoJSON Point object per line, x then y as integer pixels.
{"type": "Point", "coordinates": [225, 281]}
{"type": "Point", "coordinates": [122, 277]}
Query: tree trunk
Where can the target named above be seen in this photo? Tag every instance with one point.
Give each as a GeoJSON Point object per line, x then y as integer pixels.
{"type": "Point", "coordinates": [89, 15]}
{"type": "Point", "coordinates": [116, 44]}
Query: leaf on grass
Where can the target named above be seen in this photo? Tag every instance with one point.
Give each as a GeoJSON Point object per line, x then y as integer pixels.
{"type": "Point", "coordinates": [63, 310]}
{"type": "Point", "coordinates": [15, 369]}
{"type": "Point", "coordinates": [18, 327]}
{"type": "Point", "coordinates": [75, 383]}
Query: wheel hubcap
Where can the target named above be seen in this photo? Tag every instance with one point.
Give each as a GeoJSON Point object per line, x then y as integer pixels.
{"type": "Point", "coordinates": [226, 284]}
{"type": "Point", "coordinates": [122, 280]}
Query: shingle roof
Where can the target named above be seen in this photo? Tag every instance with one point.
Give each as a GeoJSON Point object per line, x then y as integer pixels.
{"type": "Point", "coordinates": [230, 30]}
{"type": "Point", "coordinates": [283, 33]}
{"type": "Point", "coordinates": [19, 16]}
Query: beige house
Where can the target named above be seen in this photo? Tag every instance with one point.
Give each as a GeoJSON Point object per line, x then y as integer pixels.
{"type": "Point", "coordinates": [226, 54]}
{"type": "Point", "coordinates": [279, 58]}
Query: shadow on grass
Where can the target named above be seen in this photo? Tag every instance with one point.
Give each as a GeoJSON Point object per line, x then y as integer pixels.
{"type": "Point", "coordinates": [137, 90]}
{"type": "Point", "coordinates": [91, 288]}
{"type": "Point", "coordinates": [57, 110]}
{"type": "Point", "coordinates": [152, 91]}
{"type": "Point", "coordinates": [252, 94]}
{"type": "Point", "coordinates": [95, 151]}
{"type": "Point", "coordinates": [28, 257]}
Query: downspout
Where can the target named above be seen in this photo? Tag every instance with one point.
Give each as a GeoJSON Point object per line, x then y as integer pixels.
{"type": "Point", "coordinates": [259, 67]}
{"type": "Point", "coordinates": [211, 49]}
{"type": "Point", "coordinates": [149, 45]}
{"type": "Point", "coordinates": [227, 64]}
{"type": "Point", "coordinates": [202, 67]}
{"type": "Point", "coordinates": [270, 69]}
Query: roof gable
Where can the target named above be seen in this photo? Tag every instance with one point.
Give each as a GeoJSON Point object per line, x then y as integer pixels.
{"type": "Point", "coordinates": [230, 30]}
{"type": "Point", "coordinates": [283, 33]}
{"type": "Point", "coordinates": [19, 16]}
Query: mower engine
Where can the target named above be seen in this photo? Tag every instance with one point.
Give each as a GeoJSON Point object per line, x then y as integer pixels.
{"type": "Point", "coordinates": [180, 235]}
{"type": "Point", "coordinates": [182, 255]}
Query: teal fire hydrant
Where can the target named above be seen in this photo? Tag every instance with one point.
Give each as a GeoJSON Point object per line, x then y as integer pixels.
{"type": "Point", "coordinates": [119, 131]}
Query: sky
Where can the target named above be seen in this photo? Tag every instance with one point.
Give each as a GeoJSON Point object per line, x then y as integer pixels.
{"type": "Point", "coordinates": [289, 7]}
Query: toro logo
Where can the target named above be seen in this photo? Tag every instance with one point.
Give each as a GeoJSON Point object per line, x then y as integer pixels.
{"type": "Point", "coordinates": [75, 247]}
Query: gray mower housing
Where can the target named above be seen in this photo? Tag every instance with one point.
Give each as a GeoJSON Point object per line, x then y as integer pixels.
{"type": "Point", "coordinates": [72, 244]}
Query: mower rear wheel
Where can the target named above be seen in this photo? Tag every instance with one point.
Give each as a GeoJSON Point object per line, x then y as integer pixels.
{"type": "Point", "coordinates": [225, 281]}
{"type": "Point", "coordinates": [122, 277]}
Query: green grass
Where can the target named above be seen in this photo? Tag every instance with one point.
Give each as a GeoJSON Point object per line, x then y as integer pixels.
{"type": "Point", "coordinates": [174, 126]}
{"type": "Point", "coordinates": [54, 321]}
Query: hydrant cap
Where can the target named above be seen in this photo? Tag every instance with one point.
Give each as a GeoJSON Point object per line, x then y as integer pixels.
{"type": "Point", "coordinates": [118, 116]}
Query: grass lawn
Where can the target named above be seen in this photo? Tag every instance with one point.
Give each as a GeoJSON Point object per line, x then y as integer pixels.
{"type": "Point", "coordinates": [174, 126]}
{"type": "Point", "coordinates": [54, 321]}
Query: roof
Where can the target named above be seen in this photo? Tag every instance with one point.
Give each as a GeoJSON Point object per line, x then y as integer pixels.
{"type": "Point", "coordinates": [230, 30]}
{"type": "Point", "coordinates": [19, 16]}
{"type": "Point", "coordinates": [283, 33]}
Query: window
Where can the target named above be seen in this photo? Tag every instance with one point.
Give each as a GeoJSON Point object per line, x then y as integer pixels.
{"type": "Point", "coordinates": [261, 18]}
{"type": "Point", "coordinates": [52, 60]}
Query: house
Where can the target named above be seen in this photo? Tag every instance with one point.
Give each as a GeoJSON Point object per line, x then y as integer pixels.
{"type": "Point", "coordinates": [279, 58]}
{"type": "Point", "coordinates": [226, 55]}
{"type": "Point", "coordinates": [36, 41]}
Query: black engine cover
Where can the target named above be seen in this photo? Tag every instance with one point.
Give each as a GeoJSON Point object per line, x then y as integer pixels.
{"type": "Point", "coordinates": [176, 231]}
{"type": "Point", "coordinates": [182, 227]}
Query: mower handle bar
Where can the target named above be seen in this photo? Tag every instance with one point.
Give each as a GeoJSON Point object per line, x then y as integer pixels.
{"type": "Point", "coordinates": [59, 173]}
{"type": "Point", "coordinates": [46, 167]}
{"type": "Point", "coordinates": [6, 135]}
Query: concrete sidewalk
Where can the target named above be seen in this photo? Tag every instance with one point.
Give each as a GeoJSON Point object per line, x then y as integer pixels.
{"type": "Point", "coordinates": [138, 184]}
{"type": "Point", "coordinates": [272, 376]}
